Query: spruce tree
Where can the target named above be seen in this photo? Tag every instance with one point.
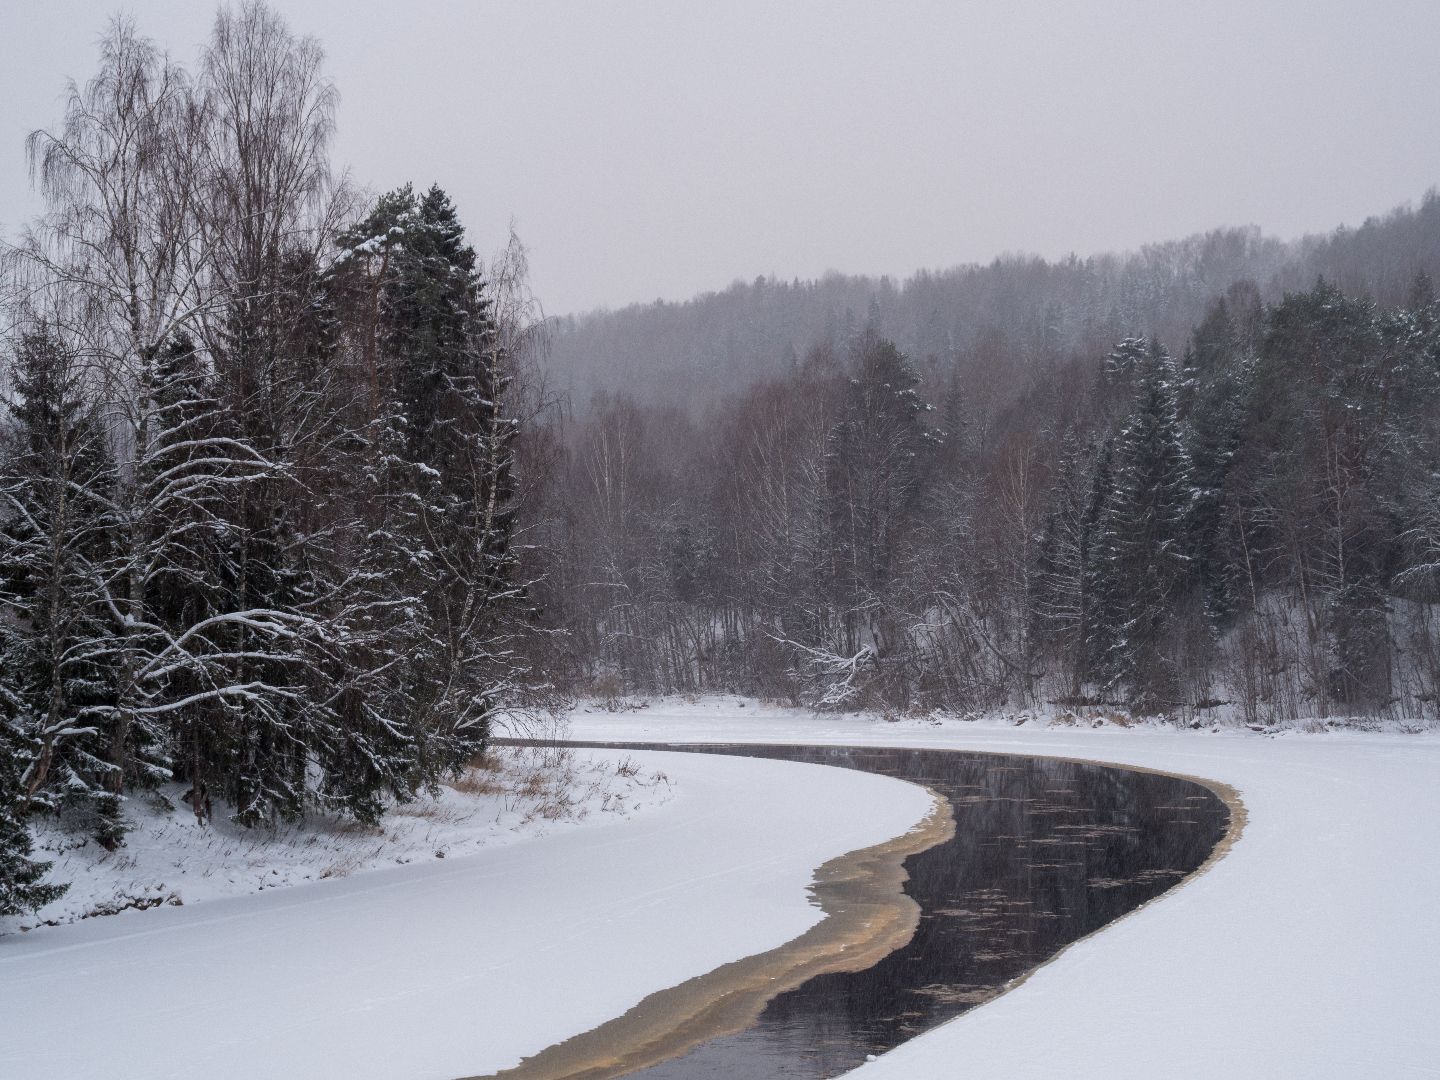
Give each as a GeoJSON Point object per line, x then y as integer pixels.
{"type": "Point", "coordinates": [439, 553]}
{"type": "Point", "coordinates": [1102, 614]}
{"type": "Point", "coordinates": [272, 396]}
{"type": "Point", "coordinates": [1218, 386]}
{"type": "Point", "coordinates": [877, 449]}
{"type": "Point", "coordinates": [21, 889]}
{"type": "Point", "coordinates": [56, 480]}
{"type": "Point", "coordinates": [1141, 539]}
{"type": "Point", "coordinates": [187, 591]}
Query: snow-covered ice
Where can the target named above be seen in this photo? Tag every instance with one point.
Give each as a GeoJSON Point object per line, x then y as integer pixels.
{"type": "Point", "coordinates": [449, 968]}
{"type": "Point", "coordinates": [1310, 950]}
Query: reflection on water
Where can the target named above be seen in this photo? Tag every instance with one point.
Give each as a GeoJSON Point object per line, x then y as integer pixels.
{"type": "Point", "coordinates": [1045, 852]}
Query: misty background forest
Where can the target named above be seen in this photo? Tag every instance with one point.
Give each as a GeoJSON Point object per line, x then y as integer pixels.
{"type": "Point", "coordinates": [1198, 480]}
{"type": "Point", "coordinates": [299, 494]}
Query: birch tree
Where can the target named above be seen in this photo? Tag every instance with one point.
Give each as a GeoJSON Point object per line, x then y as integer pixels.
{"type": "Point", "coordinates": [119, 250]}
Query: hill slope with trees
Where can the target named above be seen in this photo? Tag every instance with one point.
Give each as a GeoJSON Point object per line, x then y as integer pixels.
{"type": "Point", "coordinates": [1197, 478]}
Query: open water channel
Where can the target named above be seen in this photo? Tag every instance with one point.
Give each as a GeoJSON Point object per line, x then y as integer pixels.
{"type": "Point", "coordinates": [1045, 852]}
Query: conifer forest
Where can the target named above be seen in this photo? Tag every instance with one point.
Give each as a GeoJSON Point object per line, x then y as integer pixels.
{"type": "Point", "coordinates": [299, 493]}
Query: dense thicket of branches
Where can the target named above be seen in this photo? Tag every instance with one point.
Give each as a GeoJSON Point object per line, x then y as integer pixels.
{"type": "Point", "coordinates": [1248, 521]}
{"type": "Point", "coordinates": [257, 448]}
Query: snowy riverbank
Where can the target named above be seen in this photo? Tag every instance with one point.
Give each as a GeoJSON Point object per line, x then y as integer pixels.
{"type": "Point", "coordinates": [169, 859]}
{"type": "Point", "coordinates": [1309, 951]}
{"type": "Point", "coordinates": [448, 968]}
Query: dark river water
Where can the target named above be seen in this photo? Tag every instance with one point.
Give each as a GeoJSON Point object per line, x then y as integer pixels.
{"type": "Point", "coordinates": [1045, 852]}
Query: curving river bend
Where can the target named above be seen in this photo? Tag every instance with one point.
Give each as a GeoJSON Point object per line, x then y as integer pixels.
{"type": "Point", "coordinates": [1044, 851]}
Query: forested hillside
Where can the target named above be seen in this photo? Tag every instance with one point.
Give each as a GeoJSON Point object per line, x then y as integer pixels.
{"type": "Point", "coordinates": [1001, 322]}
{"type": "Point", "coordinates": [1198, 481]}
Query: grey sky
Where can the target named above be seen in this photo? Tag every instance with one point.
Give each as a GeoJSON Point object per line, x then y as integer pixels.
{"type": "Point", "coordinates": [662, 149]}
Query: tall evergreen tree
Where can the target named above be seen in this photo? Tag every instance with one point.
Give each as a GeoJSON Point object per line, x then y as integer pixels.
{"type": "Point", "coordinates": [57, 480]}
{"type": "Point", "coordinates": [876, 452]}
{"type": "Point", "coordinates": [1218, 386]}
{"type": "Point", "coordinates": [440, 538]}
{"type": "Point", "coordinates": [1142, 535]}
{"type": "Point", "coordinates": [1101, 615]}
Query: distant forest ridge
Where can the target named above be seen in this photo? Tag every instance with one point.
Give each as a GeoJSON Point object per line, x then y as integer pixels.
{"type": "Point", "coordinates": [1016, 316]}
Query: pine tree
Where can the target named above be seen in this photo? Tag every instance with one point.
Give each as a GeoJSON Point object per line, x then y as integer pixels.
{"type": "Point", "coordinates": [1102, 614]}
{"type": "Point", "coordinates": [1218, 376]}
{"type": "Point", "coordinates": [956, 434]}
{"type": "Point", "coordinates": [1127, 361]}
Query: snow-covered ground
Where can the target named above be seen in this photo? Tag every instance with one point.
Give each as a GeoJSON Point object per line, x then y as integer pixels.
{"type": "Point", "coordinates": [441, 969]}
{"type": "Point", "coordinates": [169, 859]}
{"type": "Point", "coordinates": [1310, 950]}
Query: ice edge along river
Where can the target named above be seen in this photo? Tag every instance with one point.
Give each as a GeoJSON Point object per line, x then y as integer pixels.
{"type": "Point", "coordinates": [1311, 950]}
{"type": "Point", "coordinates": [453, 968]}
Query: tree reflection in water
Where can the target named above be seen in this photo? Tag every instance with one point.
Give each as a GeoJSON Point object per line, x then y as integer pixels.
{"type": "Point", "coordinates": [1045, 852]}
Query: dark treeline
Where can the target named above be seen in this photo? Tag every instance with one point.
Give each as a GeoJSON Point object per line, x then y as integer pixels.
{"type": "Point", "coordinates": [1243, 526]}
{"type": "Point", "coordinates": [256, 459]}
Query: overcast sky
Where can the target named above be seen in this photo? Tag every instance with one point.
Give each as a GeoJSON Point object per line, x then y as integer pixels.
{"type": "Point", "coordinates": [664, 149]}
